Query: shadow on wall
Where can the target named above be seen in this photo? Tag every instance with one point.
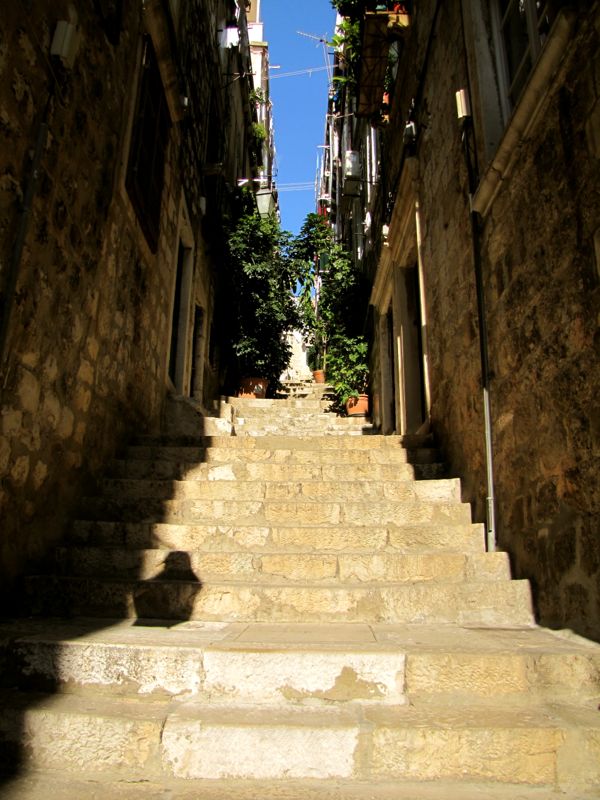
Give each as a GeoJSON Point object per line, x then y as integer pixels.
{"type": "Point", "coordinates": [121, 560]}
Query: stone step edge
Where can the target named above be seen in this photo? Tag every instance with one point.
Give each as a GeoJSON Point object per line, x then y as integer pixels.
{"type": "Point", "coordinates": [196, 668]}
{"type": "Point", "coordinates": [121, 482]}
{"type": "Point", "coordinates": [270, 550]}
{"type": "Point", "coordinates": [189, 750]}
{"type": "Point", "coordinates": [44, 784]}
{"type": "Point", "coordinates": [409, 442]}
{"type": "Point", "coordinates": [121, 464]}
{"type": "Point", "coordinates": [387, 539]}
{"type": "Point", "coordinates": [276, 582]}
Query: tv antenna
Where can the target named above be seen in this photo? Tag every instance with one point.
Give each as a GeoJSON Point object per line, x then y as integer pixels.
{"type": "Point", "coordinates": [322, 40]}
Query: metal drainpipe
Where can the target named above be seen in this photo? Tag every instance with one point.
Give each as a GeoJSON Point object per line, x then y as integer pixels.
{"type": "Point", "coordinates": [483, 337]}
{"type": "Point", "coordinates": [22, 230]}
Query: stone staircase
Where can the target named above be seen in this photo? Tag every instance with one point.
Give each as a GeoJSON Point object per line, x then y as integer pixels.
{"type": "Point", "coordinates": [288, 606]}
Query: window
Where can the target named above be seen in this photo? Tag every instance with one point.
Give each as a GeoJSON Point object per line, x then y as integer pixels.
{"type": "Point", "coordinates": [146, 167]}
{"type": "Point", "coordinates": [522, 28]}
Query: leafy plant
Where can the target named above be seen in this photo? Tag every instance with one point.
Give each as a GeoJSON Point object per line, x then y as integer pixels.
{"type": "Point", "coordinates": [347, 41]}
{"type": "Point", "coordinates": [264, 309]}
{"type": "Point", "coordinates": [332, 301]}
{"type": "Point", "coordinates": [349, 8]}
{"type": "Point", "coordinates": [258, 96]}
{"type": "Point", "coordinates": [258, 132]}
{"type": "Point", "coordinates": [348, 366]}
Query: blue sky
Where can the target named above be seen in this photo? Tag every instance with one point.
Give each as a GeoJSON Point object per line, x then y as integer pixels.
{"type": "Point", "coordinates": [300, 101]}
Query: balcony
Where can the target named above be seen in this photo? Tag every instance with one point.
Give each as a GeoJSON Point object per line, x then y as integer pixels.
{"type": "Point", "coordinates": [380, 27]}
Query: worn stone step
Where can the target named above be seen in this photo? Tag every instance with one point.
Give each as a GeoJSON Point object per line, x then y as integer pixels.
{"type": "Point", "coordinates": [335, 427]}
{"type": "Point", "coordinates": [270, 405]}
{"type": "Point", "coordinates": [281, 455]}
{"type": "Point", "coordinates": [467, 538]}
{"type": "Point", "coordinates": [41, 785]}
{"type": "Point", "coordinates": [224, 486]}
{"type": "Point", "coordinates": [465, 603]}
{"type": "Point", "coordinates": [151, 740]}
{"type": "Point", "coordinates": [290, 442]}
{"type": "Point", "coordinates": [344, 567]}
{"type": "Point", "coordinates": [275, 512]}
{"type": "Point", "coordinates": [286, 415]}
{"type": "Point", "coordinates": [402, 743]}
{"type": "Point", "coordinates": [266, 664]}
{"type": "Point", "coordinates": [162, 469]}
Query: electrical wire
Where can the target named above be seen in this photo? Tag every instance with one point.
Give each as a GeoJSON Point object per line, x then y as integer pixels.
{"type": "Point", "coordinates": [297, 72]}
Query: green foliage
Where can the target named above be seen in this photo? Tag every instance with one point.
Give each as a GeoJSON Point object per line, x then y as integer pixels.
{"type": "Point", "coordinates": [264, 277]}
{"type": "Point", "coordinates": [258, 132]}
{"type": "Point", "coordinates": [347, 40]}
{"type": "Point", "coordinates": [348, 366]}
{"type": "Point", "coordinates": [333, 299]}
{"type": "Point", "coordinates": [258, 96]}
{"type": "Point", "coordinates": [349, 8]}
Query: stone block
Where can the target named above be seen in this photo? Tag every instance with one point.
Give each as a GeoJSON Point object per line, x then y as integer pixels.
{"type": "Point", "coordinates": [28, 391]}
{"type": "Point", "coordinates": [433, 752]}
{"type": "Point", "coordinates": [12, 420]}
{"type": "Point", "coordinates": [304, 677]}
{"type": "Point", "coordinates": [299, 567]}
{"type": "Point", "coordinates": [20, 470]}
{"type": "Point", "coordinates": [258, 748]}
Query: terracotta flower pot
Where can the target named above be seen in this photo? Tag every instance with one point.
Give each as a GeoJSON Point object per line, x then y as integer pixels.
{"type": "Point", "coordinates": [358, 406]}
{"type": "Point", "coordinates": [319, 376]}
{"type": "Point", "coordinates": [253, 387]}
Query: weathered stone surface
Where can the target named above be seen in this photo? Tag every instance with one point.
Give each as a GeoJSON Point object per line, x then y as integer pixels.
{"type": "Point", "coordinates": [259, 747]}
{"type": "Point", "coordinates": [537, 247]}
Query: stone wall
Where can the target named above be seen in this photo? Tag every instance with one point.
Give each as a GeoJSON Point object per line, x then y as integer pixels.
{"type": "Point", "coordinates": [540, 262]}
{"type": "Point", "coordinates": [88, 341]}
{"type": "Point", "coordinates": [430, 71]}
{"type": "Point", "coordinates": [543, 290]}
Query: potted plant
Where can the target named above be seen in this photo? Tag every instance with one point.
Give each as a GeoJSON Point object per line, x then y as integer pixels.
{"type": "Point", "coordinates": [349, 373]}
{"type": "Point", "coordinates": [263, 308]}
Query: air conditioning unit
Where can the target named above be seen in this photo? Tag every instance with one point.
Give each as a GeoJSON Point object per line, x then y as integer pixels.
{"type": "Point", "coordinates": [352, 173]}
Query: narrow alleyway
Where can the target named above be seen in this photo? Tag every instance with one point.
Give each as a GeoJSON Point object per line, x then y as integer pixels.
{"type": "Point", "coordinates": [284, 605]}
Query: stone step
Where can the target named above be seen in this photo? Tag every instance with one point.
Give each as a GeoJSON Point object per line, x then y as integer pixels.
{"type": "Point", "coordinates": [270, 405]}
{"type": "Point", "coordinates": [346, 567]}
{"type": "Point", "coordinates": [465, 538]}
{"type": "Point", "coordinates": [275, 512]}
{"type": "Point", "coordinates": [335, 426]}
{"type": "Point", "coordinates": [290, 442]}
{"type": "Point", "coordinates": [224, 486]}
{"type": "Point", "coordinates": [236, 454]}
{"type": "Point", "coordinates": [41, 785]}
{"type": "Point", "coordinates": [298, 417]}
{"type": "Point", "coordinates": [301, 664]}
{"type": "Point", "coordinates": [162, 469]}
{"type": "Point", "coordinates": [552, 747]}
{"type": "Point", "coordinates": [466, 603]}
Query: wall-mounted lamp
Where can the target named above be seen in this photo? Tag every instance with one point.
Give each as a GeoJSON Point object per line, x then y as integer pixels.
{"type": "Point", "coordinates": [463, 106]}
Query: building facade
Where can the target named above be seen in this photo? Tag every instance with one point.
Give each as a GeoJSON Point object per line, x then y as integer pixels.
{"type": "Point", "coordinates": [125, 130]}
{"type": "Point", "coordinates": [462, 170]}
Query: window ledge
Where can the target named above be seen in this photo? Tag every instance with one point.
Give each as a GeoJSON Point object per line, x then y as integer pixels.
{"type": "Point", "coordinates": [525, 112]}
